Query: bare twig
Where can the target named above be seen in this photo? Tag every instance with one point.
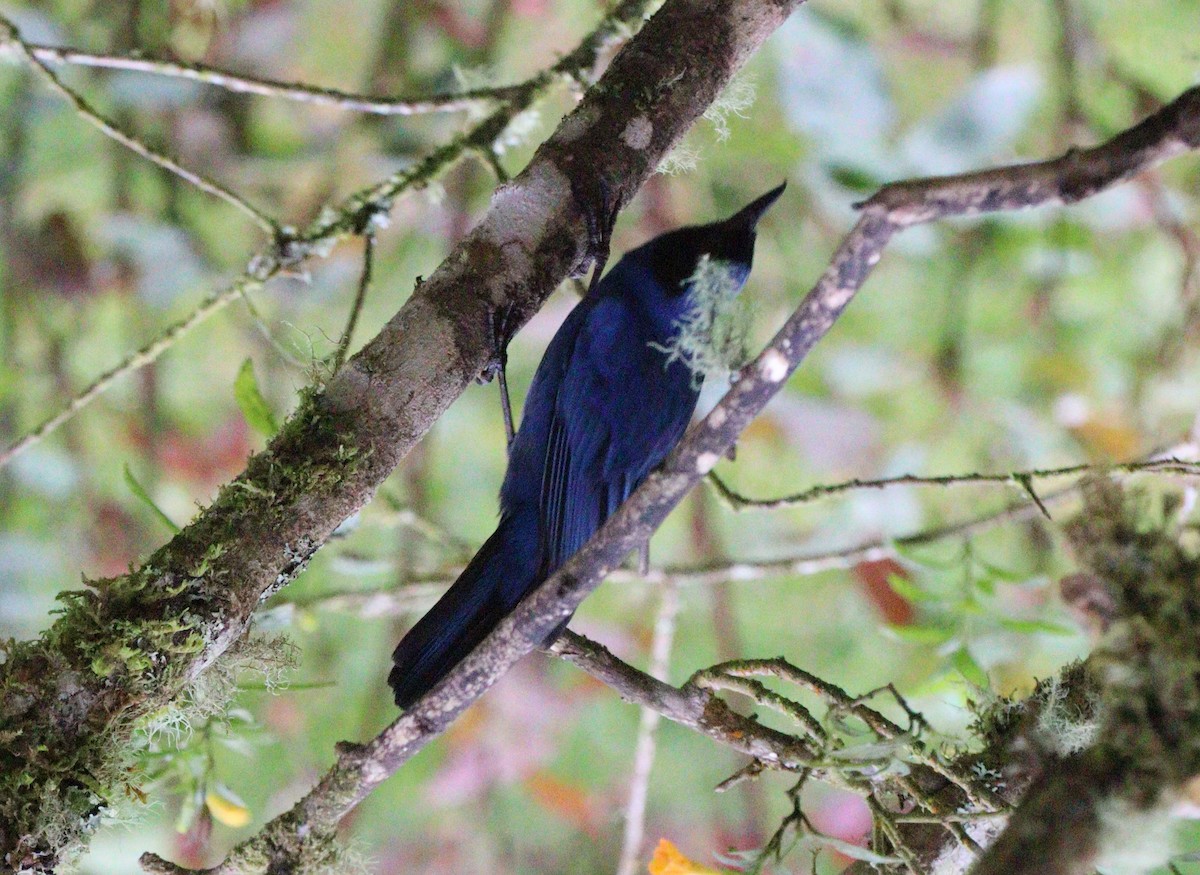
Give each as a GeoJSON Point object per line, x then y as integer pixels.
{"type": "Point", "coordinates": [244, 84]}
{"type": "Point", "coordinates": [416, 592]}
{"type": "Point", "coordinates": [643, 755]}
{"type": "Point", "coordinates": [142, 357]}
{"type": "Point", "coordinates": [688, 705]}
{"type": "Point", "coordinates": [364, 283]}
{"type": "Point", "coordinates": [10, 35]}
{"type": "Point", "coordinates": [739, 502]}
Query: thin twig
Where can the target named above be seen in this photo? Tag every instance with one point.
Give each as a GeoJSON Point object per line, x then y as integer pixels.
{"type": "Point", "coordinates": [643, 756]}
{"type": "Point", "coordinates": [964, 817]}
{"type": "Point", "coordinates": [142, 357]}
{"type": "Point", "coordinates": [395, 513]}
{"type": "Point", "coordinates": [242, 83]}
{"type": "Point", "coordinates": [884, 819]}
{"type": "Point", "coordinates": [687, 705]}
{"type": "Point", "coordinates": [715, 679]}
{"type": "Point", "coordinates": [9, 34]}
{"type": "Point", "coordinates": [364, 282]}
{"type": "Point", "coordinates": [738, 502]}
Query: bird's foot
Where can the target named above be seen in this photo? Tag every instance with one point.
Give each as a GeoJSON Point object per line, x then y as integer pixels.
{"type": "Point", "coordinates": [600, 207]}
{"type": "Point", "coordinates": [502, 329]}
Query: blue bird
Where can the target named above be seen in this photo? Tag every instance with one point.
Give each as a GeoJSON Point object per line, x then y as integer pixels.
{"type": "Point", "coordinates": [607, 404]}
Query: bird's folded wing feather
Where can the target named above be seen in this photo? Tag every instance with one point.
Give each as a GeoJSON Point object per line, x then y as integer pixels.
{"type": "Point", "coordinates": [617, 412]}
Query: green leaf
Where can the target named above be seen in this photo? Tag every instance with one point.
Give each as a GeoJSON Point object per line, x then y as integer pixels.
{"type": "Point", "coordinates": [921, 634]}
{"type": "Point", "coordinates": [140, 492]}
{"type": "Point", "coordinates": [852, 178]}
{"type": "Point", "coordinates": [966, 665]}
{"type": "Point", "coordinates": [907, 589]}
{"type": "Point", "coordinates": [855, 852]}
{"type": "Point", "coordinates": [919, 554]}
{"type": "Point", "coordinates": [986, 585]}
{"type": "Point", "coordinates": [253, 406]}
{"type": "Point", "coordinates": [1033, 627]}
{"type": "Point", "coordinates": [1004, 575]}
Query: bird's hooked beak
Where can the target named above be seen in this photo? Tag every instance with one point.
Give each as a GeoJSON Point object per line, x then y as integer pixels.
{"type": "Point", "coordinates": [747, 217]}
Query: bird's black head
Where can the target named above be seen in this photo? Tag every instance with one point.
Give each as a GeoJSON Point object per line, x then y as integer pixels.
{"type": "Point", "coordinates": [673, 256]}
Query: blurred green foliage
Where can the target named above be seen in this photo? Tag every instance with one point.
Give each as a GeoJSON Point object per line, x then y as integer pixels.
{"type": "Point", "coordinates": [991, 344]}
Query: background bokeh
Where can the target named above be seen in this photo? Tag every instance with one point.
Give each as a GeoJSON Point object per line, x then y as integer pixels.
{"type": "Point", "coordinates": [1052, 337]}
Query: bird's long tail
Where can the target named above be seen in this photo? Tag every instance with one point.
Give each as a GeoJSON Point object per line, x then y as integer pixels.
{"type": "Point", "coordinates": [492, 584]}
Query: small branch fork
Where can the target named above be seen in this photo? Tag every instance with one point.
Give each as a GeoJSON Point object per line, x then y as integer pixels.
{"type": "Point", "coordinates": [357, 214]}
{"type": "Point", "coordinates": [10, 36]}
{"type": "Point", "coordinates": [1172, 131]}
{"type": "Point", "coordinates": [891, 771]}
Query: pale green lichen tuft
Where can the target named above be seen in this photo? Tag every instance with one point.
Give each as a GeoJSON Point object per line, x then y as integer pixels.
{"type": "Point", "coordinates": [210, 693]}
{"type": "Point", "coordinates": [680, 160]}
{"type": "Point", "coordinates": [1062, 726]}
{"type": "Point", "coordinates": [713, 337]}
{"type": "Point", "coordinates": [735, 100]}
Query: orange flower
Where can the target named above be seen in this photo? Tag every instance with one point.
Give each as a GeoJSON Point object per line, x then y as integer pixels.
{"type": "Point", "coordinates": [668, 860]}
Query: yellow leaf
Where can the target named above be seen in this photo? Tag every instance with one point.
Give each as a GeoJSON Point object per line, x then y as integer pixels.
{"type": "Point", "coordinates": [1108, 438]}
{"type": "Point", "coordinates": [226, 807]}
{"type": "Point", "coordinates": [307, 621]}
{"type": "Point", "coordinates": [668, 860]}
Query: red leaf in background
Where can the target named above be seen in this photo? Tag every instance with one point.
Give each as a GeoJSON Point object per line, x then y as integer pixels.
{"type": "Point", "coordinates": [872, 577]}
{"type": "Point", "coordinates": [192, 848]}
{"type": "Point", "coordinates": [115, 539]}
{"type": "Point", "coordinates": [842, 815]}
{"type": "Point", "coordinates": [207, 459]}
{"type": "Point", "coordinates": [52, 258]}
{"type": "Point", "coordinates": [569, 801]}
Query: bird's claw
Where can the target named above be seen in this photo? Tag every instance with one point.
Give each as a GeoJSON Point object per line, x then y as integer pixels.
{"type": "Point", "coordinates": [501, 331]}
{"type": "Point", "coordinates": [600, 208]}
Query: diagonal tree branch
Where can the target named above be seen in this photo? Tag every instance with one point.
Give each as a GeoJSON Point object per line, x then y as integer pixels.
{"type": "Point", "coordinates": [1080, 173]}
{"type": "Point", "coordinates": [130, 644]}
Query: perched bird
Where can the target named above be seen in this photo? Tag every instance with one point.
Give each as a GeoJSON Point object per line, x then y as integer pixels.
{"type": "Point", "coordinates": [606, 405]}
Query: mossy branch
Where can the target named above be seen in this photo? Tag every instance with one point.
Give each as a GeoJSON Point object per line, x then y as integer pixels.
{"type": "Point", "coordinates": [126, 646]}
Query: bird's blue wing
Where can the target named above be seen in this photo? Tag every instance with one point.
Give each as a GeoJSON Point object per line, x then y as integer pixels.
{"type": "Point", "coordinates": [617, 413]}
